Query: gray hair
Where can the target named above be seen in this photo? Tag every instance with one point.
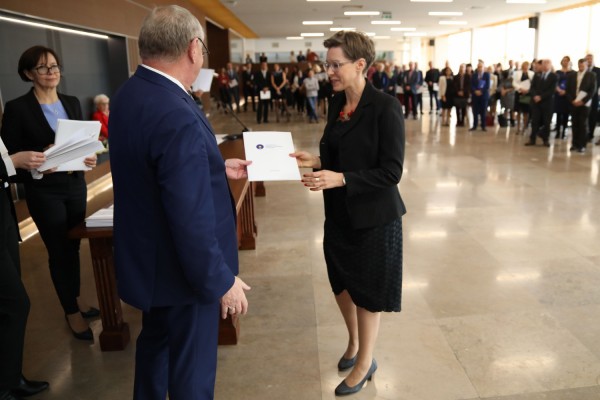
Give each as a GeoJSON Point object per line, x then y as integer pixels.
{"type": "Point", "coordinates": [101, 98]}
{"type": "Point", "coordinates": [166, 33]}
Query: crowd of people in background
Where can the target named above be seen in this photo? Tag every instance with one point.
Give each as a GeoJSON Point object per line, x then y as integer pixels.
{"type": "Point", "coordinates": [531, 97]}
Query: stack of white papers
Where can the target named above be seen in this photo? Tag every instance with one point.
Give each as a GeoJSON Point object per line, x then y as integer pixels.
{"type": "Point", "coordinates": [102, 218]}
{"type": "Point", "coordinates": [270, 156]}
{"type": "Point", "coordinates": [75, 140]}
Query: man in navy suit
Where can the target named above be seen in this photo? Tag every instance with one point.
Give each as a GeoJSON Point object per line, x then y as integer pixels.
{"type": "Point", "coordinates": [480, 89]}
{"type": "Point", "coordinates": [174, 225]}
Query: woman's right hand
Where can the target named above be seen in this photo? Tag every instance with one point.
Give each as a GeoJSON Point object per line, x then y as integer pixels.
{"type": "Point", "coordinates": [28, 159]}
{"type": "Point", "coordinates": [306, 159]}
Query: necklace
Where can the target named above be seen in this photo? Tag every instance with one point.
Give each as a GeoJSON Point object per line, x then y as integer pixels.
{"type": "Point", "coordinates": [345, 116]}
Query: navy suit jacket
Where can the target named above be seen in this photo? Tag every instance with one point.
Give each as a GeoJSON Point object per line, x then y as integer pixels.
{"type": "Point", "coordinates": [484, 86]}
{"type": "Point", "coordinates": [175, 236]}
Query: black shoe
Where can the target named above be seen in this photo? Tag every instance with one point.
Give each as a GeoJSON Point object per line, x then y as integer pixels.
{"type": "Point", "coordinates": [8, 395]}
{"type": "Point", "coordinates": [91, 313]}
{"type": "Point", "coordinates": [581, 150]}
{"type": "Point", "coordinates": [346, 363]}
{"type": "Point", "coordinates": [472, 129]}
{"type": "Point", "coordinates": [573, 148]}
{"type": "Point", "coordinates": [343, 390]}
{"type": "Point", "coordinates": [546, 143]}
{"type": "Point", "coordinates": [85, 335]}
{"type": "Point", "coordinates": [530, 143]}
{"type": "Point", "coordinates": [29, 388]}
{"type": "Point", "coordinates": [483, 129]}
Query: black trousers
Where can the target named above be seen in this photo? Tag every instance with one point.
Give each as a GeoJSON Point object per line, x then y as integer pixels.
{"type": "Point", "coordinates": [14, 302]}
{"type": "Point", "coordinates": [541, 117]}
{"type": "Point", "coordinates": [579, 122]}
{"type": "Point", "coordinates": [57, 204]}
{"type": "Point", "coordinates": [433, 95]}
{"type": "Point", "coordinates": [479, 110]}
{"type": "Point", "coordinates": [262, 112]}
{"type": "Point", "coordinates": [593, 116]}
{"type": "Point", "coordinates": [249, 92]}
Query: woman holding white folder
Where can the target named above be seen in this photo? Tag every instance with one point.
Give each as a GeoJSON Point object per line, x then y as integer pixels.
{"type": "Point", "coordinates": [359, 167]}
{"type": "Point", "coordinates": [56, 200]}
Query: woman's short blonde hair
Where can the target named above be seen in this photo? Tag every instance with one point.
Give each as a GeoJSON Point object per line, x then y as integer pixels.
{"type": "Point", "coordinates": [355, 45]}
{"type": "Point", "coordinates": [101, 98]}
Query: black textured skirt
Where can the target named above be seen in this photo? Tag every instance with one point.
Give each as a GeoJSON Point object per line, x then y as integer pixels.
{"type": "Point", "coordinates": [367, 263]}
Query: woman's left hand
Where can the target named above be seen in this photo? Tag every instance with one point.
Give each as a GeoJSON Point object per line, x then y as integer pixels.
{"type": "Point", "coordinates": [90, 161]}
{"type": "Point", "coordinates": [322, 180]}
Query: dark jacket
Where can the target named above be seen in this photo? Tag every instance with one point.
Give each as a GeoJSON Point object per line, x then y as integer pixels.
{"type": "Point", "coordinates": [25, 128]}
{"type": "Point", "coordinates": [545, 88]}
{"type": "Point", "coordinates": [588, 85]}
{"type": "Point", "coordinates": [371, 156]}
{"type": "Point", "coordinates": [174, 225]}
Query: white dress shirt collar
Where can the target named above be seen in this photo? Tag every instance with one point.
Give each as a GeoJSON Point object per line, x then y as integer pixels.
{"type": "Point", "coordinates": [169, 77]}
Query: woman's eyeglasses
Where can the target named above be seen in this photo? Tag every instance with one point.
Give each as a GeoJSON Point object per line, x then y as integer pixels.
{"type": "Point", "coordinates": [45, 70]}
{"type": "Point", "coordinates": [335, 65]}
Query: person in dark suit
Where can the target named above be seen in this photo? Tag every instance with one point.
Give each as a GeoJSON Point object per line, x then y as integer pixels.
{"type": "Point", "coordinates": [411, 88]}
{"type": "Point", "coordinates": [581, 86]}
{"type": "Point", "coordinates": [432, 78]}
{"type": "Point", "coordinates": [462, 82]}
{"type": "Point", "coordinates": [593, 115]}
{"type": "Point", "coordinates": [56, 200]}
{"type": "Point", "coordinates": [359, 168]}
{"type": "Point", "coordinates": [248, 79]}
{"type": "Point", "coordinates": [175, 241]}
{"type": "Point", "coordinates": [542, 91]}
{"type": "Point", "coordinates": [14, 301]}
{"type": "Point", "coordinates": [262, 83]}
{"type": "Point", "coordinates": [480, 89]}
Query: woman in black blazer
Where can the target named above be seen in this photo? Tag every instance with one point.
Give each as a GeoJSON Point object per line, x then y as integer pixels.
{"type": "Point", "coordinates": [359, 168]}
{"type": "Point", "coordinates": [56, 200]}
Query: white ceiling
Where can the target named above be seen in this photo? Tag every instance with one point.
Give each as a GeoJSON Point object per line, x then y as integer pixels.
{"type": "Point", "coordinates": [281, 18]}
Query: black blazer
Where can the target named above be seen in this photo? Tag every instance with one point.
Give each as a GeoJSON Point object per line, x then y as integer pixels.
{"type": "Point", "coordinates": [545, 88]}
{"type": "Point", "coordinates": [465, 87]}
{"type": "Point", "coordinates": [588, 85]}
{"type": "Point", "coordinates": [371, 156]}
{"type": "Point", "coordinates": [25, 128]}
{"type": "Point", "coordinates": [260, 83]}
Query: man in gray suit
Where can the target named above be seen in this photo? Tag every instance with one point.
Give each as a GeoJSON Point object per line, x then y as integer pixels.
{"type": "Point", "coordinates": [580, 90]}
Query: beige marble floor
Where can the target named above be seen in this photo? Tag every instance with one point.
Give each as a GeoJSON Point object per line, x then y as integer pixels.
{"type": "Point", "coordinates": [501, 292]}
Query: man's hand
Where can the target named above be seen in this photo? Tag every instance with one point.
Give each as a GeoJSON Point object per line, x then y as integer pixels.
{"type": "Point", "coordinates": [236, 168]}
{"type": "Point", "coordinates": [234, 301]}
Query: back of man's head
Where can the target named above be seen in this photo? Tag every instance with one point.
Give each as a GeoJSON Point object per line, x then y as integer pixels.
{"type": "Point", "coordinates": [166, 33]}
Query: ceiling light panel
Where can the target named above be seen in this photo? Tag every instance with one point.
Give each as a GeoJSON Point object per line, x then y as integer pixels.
{"type": "Point", "coordinates": [445, 13]}
{"type": "Point", "coordinates": [385, 22]}
{"type": "Point", "coordinates": [352, 13]}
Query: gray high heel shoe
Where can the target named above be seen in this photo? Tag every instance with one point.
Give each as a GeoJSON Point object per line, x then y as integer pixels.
{"type": "Point", "coordinates": [346, 363]}
{"type": "Point", "coordinates": [343, 390]}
